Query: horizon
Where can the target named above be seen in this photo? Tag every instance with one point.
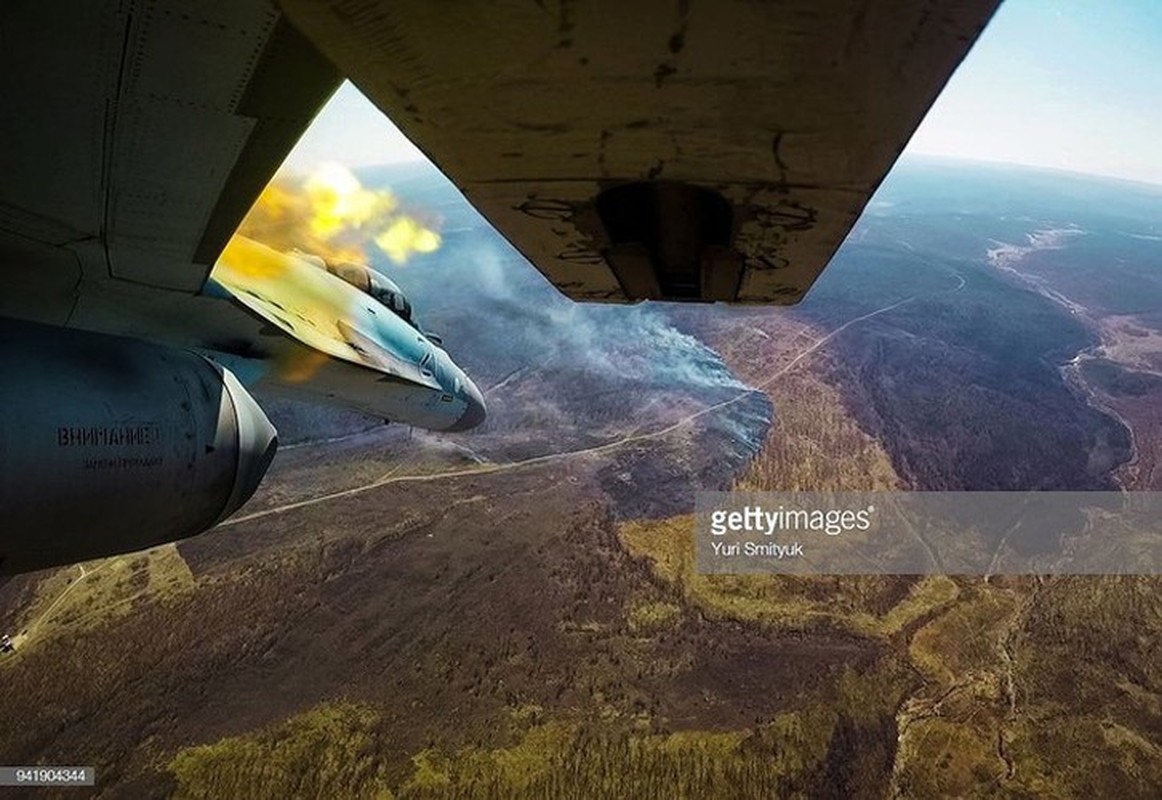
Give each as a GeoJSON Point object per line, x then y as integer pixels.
{"type": "Point", "coordinates": [904, 158]}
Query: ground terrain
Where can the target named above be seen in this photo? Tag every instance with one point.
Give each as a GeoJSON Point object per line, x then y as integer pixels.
{"type": "Point", "coordinates": [515, 612]}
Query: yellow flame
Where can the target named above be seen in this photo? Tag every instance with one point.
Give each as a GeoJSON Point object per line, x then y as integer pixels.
{"type": "Point", "coordinates": [331, 214]}
{"type": "Point", "coordinates": [406, 236]}
{"type": "Point", "coordinates": [338, 201]}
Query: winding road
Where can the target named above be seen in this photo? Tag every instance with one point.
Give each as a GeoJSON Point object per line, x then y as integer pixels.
{"type": "Point", "coordinates": [631, 438]}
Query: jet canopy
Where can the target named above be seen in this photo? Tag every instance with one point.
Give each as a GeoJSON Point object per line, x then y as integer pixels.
{"type": "Point", "coordinates": [367, 280]}
{"type": "Point", "coordinates": [382, 288]}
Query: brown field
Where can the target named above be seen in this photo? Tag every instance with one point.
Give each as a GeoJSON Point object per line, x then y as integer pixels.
{"type": "Point", "coordinates": [468, 629]}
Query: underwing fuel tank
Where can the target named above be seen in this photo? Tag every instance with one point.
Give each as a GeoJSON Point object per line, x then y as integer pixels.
{"type": "Point", "coordinates": [110, 445]}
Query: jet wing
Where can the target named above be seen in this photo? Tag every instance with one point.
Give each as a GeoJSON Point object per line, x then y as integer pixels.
{"type": "Point", "coordinates": [658, 149]}
{"type": "Point", "coordinates": [136, 135]}
{"type": "Point", "coordinates": [314, 307]}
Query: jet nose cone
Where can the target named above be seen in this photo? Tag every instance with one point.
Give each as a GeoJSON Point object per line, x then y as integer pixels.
{"type": "Point", "coordinates": [476, 411]}
{"type": "Point", "coordinates": [257, 444]}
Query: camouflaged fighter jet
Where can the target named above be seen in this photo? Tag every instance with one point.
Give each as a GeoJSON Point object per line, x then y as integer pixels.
{"type": "Point", "coordinates": [662, 149]}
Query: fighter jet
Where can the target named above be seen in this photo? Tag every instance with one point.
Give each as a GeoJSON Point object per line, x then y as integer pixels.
{"type": "Point", "coordinates": [650, 150]}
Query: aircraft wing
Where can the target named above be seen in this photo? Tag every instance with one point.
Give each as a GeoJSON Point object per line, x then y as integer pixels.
{"type": "Point", "coordinates": [663, 148]}
{"type": "Point", "coordinates": [136, 135]}
{"type": "Point", "coordinates": [650, 149]}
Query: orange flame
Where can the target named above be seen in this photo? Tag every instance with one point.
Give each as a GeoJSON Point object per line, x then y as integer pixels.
{"type": "Point", "coordinates": [299, 366]}
{"type": "Point", "coordinates": [331, 214]}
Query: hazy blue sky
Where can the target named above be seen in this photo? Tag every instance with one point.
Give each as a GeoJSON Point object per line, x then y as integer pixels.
{"type": "Point", "coordinates": [1069, 84]}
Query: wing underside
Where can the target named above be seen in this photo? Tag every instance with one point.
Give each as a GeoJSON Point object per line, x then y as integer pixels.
{"type": "Point", "coordinates": [136, 135]}
{"type": "Point", "coordinates": [658, 149]}
{"type": "Point", "coordinates": [680, 150]}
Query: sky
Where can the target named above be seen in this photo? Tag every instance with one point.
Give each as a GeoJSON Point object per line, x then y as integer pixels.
{"type": "Point", "coordinates": [1065, 84]}
{"type": "Point", "coordinates": [351, 130]}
